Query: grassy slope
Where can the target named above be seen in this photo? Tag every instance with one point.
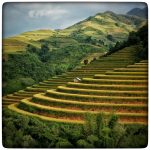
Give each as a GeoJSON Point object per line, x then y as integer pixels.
{"type": "Point", "coordinates": [19, 42]}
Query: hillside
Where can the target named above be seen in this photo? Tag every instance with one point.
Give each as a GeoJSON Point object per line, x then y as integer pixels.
{"type": "Point", "coordinates": [41, 54]}
{"type": "Point", "coordinates": [81, 71]}
{"type": "Point", "coordinates": [18, 43]}
{"type": "Point", "coordinates": [46, 53]}
{"type": "Point", "coordinates": [107, 28]}
{"type": "Point", "coordinates": [103, 30]}
{"type": "Point", "coordinates": [111, 102]}
{"type": "Point", "coordinates": [109, 84]}
{"type": "Point", "coordinates": [143, 13]}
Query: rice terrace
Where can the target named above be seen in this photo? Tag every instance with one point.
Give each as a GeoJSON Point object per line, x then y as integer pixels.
{"type": "Point", "coordinates": [70, 82]}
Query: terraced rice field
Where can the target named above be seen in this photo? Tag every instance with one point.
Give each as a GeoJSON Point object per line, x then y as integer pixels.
{"type": "Point", "coordinates": [120, 87]}
{"type": "Point", "coordinates": [99, 66]}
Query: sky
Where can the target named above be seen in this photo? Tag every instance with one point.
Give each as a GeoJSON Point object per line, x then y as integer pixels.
{"type": "Point", "coordinates": [22, 17]}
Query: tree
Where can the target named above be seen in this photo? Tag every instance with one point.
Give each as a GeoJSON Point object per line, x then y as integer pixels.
{"type": "Point", "coordinates": [85, 61]}
{"type": "Point", "coordinates": [133, 38]}
{"type": "Point", "coordinates": [63, 143]}
{"type": "Point", "coordinates": [101, 42]}
{"type": "Point", "coordinates": [101, 132]}
{"type": "Point", "coordinates": [31, 49]}
{"type": "Point", "coordinates": [44, 49]}
{"type": "Point", "coordinates": [82, 143]}
{"type": "Point", "coordinates": [113, 121]}
{"type": "Point", "coordinates": [110, 37]}
{"type": "Point", "coordinates": [139, 37]}
{"type": "Point", "coordinates": [43, 54]}
{"type": "Point", "coordinates": [88, 39]}
{"type": "Point", "coordinates": [28, 142]}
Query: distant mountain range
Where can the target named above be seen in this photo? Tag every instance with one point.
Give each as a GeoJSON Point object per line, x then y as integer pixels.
{"type": "Point", "coordinates": [139, 12]}
{"type": "Point", "coordinates": [102, 30]}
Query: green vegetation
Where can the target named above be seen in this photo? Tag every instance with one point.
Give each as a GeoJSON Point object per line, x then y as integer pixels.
{"type": "Point", "coordinates": [40, 64]}
{"type": "Point", "coordinates": [23, 67]}
{"type": "Point", "coordinates": [18, 84]}
{"type": "Point", "coordinates": [139, 37]}
{"type": "Point", "coordinates": [26, 132]}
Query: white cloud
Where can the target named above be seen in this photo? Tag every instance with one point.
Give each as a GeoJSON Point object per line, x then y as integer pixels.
{"type": "Point", "coordinates": [54, 13]}
{"type": "Point", "coordinates": [30, 16]}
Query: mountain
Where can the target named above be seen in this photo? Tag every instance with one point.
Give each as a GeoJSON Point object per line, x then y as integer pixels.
{"type": "Point", "coordinates": [143, 13]}
{"type": "Point", "coordinates": [34, 56]}
{"type": "Point", "coordinates": [102, 30]}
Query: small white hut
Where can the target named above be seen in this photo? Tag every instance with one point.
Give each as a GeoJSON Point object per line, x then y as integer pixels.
{"type": "Point", "coordinates": [77, 79]}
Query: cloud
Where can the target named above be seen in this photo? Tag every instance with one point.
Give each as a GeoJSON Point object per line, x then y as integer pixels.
{"type": "Point", "coordinates": [24, 16]}
{"type": "Point", "coordinates": [54, 13]}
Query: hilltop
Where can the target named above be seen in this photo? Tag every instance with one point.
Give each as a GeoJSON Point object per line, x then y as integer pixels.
{"type": "Point", "coordinates": [102, 30]}
{"type": "Point", "coordinates": [139, 12]}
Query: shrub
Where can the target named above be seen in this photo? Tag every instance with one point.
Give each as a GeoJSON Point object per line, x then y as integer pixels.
{"type": "Point", "coordinates": [31, 49]}
{"type": "Point", "coordinates": [136, 136]}
{"type": "Point", "coordinates": [17, 84]}
{"type": "Point", "coordinates": [84, 144]}
{"type": "Point", "coordinates": [63, 143]}
{"type": "Point", "coordinates": [110, 37]}
{"type": "Point", "coordinates": [113, 121]}
{"type": "Point", "coordinates": [85, 61]}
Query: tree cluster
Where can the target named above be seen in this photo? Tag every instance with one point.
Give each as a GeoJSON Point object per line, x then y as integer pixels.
{"type": "Point", "coordinates": [139, 37]}
{"type": "Point", "coordinates": [27, 132]}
